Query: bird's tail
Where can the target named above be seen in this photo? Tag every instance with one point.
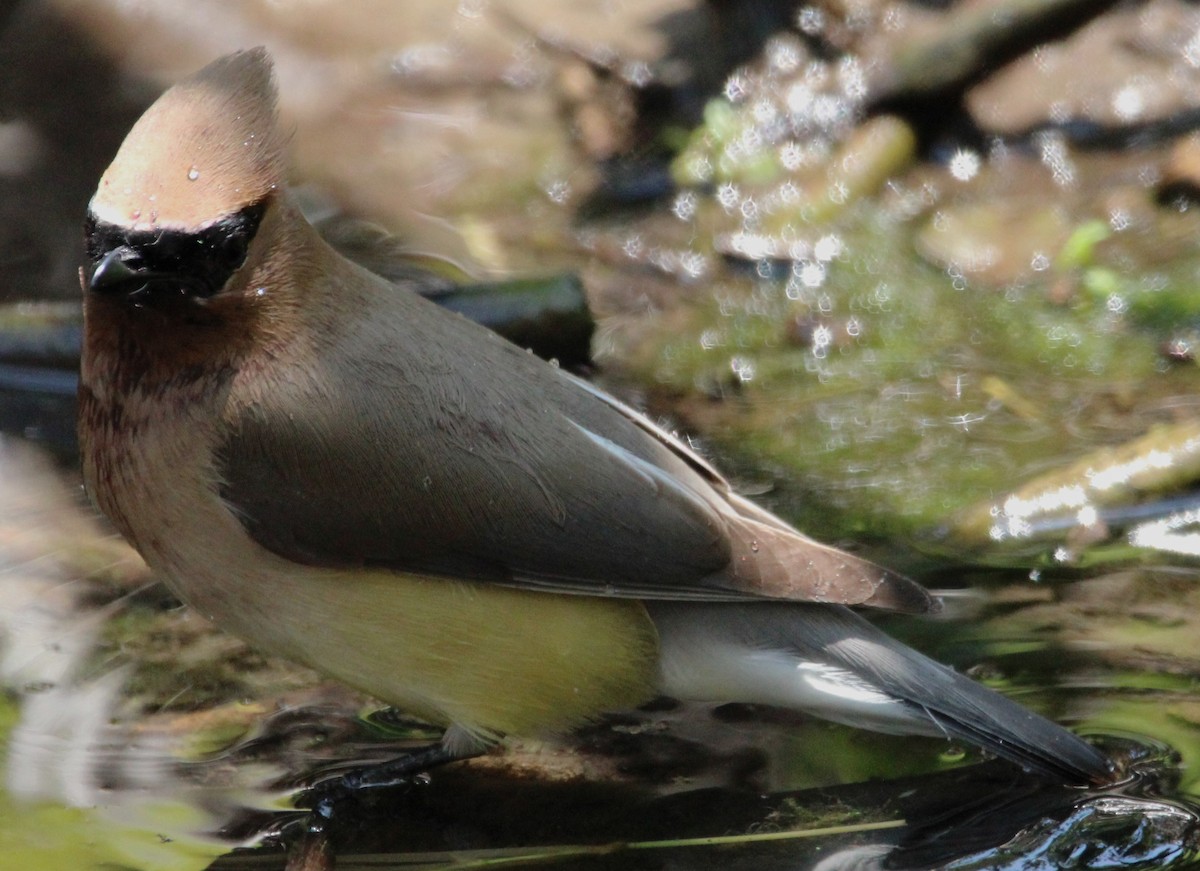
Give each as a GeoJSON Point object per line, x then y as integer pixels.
{"type": "Point", "coordinates": [827, 660]}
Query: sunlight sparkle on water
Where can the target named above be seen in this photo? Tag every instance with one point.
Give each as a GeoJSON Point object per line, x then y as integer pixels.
{"type": "Point", "coordinates": [728, 196]}
{"type": "Point", "coordinates": [1166, 535]}
{"type": "Point", "coordinates": [736, 88]}
{"type": "Point", "coordinates": [812, 274]}
{"type": "Point", "coordinates": [752, 246]}
{"type": "Point", "coordinates": [558, 191]}
{"type": "Point", "coordinates": [1129, 101]}
{"type": "Point", "coordinates": [634, 246]}
{"type": "Point", "coordinates": [828, 247]}
{"type": "Point", "coordinates": [684, 207]}
{"type": "Point", "coordinates": [799, 100]}
{"type": "Point", "coordinates": [822, 338]}
{"type": "Point", "coordinates": [765, 112]}
{"type": "Point", "coordinates": [783, 55]}
{"type": "Point", "coordinates": [965, 164]}
{"type": "Point", "coordinates": [1014, 515]}
{"type": "Point", "coordinates": [743, 368]}
{"type": "Point", "coordinates": [693, 264]}
{"type": "Point", "coordinates": [852, 78]}
{"type": "Point", "coordinates": [1014, 518]}
{"type": "Point", "coordinates": [787, 194]}
{"type": "Point", "coordinates": [1052, 149]}
{"type": "Point", "coordinates": [1120, 474]}
{"type": "Point", "coordinates": [791, 155]}
{"type": "Point", "coordinates": [810, 20]}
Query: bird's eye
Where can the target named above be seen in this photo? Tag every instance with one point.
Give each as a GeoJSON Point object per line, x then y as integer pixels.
{"type": "Point", "coordinates": [234, 249]}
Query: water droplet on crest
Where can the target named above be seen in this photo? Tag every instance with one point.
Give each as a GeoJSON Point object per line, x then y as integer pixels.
{"type": "Point", "coordinates": [193, 174]}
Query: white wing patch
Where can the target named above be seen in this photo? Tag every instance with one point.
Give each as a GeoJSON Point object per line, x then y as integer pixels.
{"type": "Point", "coordinates": [823, 678]}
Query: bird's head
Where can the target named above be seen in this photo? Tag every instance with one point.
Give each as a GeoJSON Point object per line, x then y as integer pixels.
{"type": "Point", "coordinates": [177, 212]}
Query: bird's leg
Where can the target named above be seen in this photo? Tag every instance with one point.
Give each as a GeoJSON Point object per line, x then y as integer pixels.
{"type": "Point", "coordinates": [325, 799]}
{"type": "Point", "coordinates": [398, 771]}
{"type": "Point", "coordinates": [336, 806]}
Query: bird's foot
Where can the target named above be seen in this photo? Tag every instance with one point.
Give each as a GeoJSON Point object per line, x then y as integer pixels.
{"type": "Point", "coordinates": [339, 800]}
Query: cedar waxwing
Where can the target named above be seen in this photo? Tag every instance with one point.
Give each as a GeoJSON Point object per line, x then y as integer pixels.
{"type": "Point", "coordinates": [338, 471]}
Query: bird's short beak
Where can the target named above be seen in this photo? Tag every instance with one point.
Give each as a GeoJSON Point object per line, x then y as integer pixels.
{"type": "Point", "coordinates": [120, 270]}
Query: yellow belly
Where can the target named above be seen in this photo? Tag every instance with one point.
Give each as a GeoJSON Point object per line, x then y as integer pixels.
{"type": "Point", "coordinates": [489, 659]}
{"type": "Point", "coordinates": [486, 658]}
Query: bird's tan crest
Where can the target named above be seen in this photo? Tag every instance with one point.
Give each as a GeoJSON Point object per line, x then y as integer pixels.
{"type": "Point", "coordinates": [208, 147]}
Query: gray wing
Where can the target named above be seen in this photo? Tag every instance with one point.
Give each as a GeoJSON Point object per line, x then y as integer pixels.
{"type": "Point", "coordinates": [447, 451]}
